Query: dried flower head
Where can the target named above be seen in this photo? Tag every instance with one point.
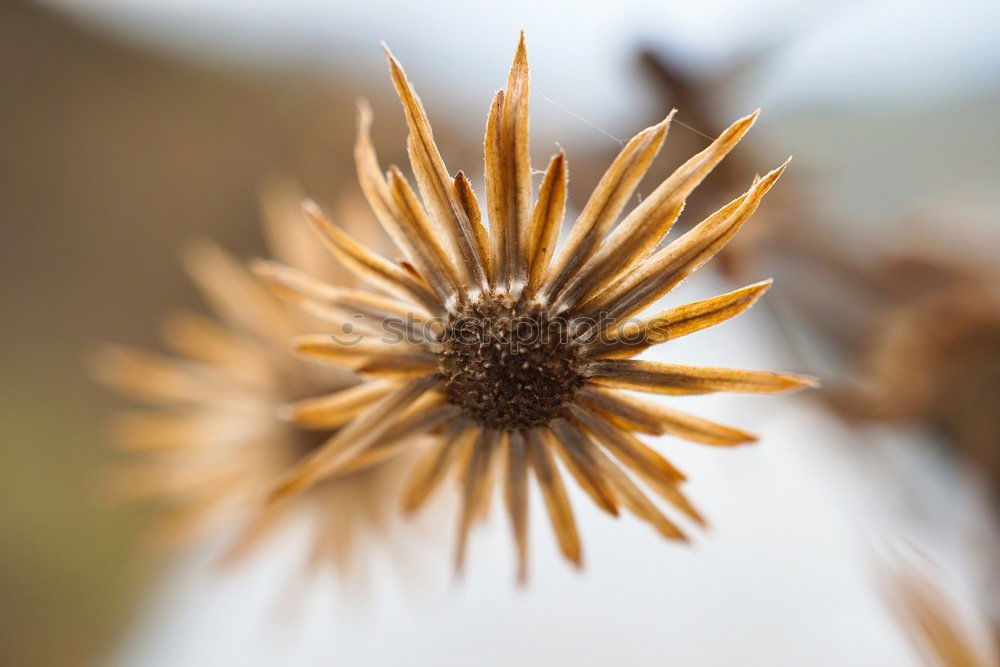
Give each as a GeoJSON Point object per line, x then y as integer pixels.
{"type": "Point", "coordinates": [947, 316]}
{"type": "Point", "coordinates": [920, 331]}
{"type": "Point", "coordinates": [214, 436]}
{"type": "Point", "coordinates": [513, 354]}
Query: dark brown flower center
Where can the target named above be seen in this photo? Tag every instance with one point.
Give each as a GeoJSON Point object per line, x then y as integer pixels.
{"type": "Point", "coordinates": [509, 366]}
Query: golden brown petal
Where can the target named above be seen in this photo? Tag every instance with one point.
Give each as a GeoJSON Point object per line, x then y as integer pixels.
{"type": "Point", "coordinates": [638, 457]}
{"type": "Point", "coordinates": [633, 498]}
{"type": "Point", "coordinates": [631, 451]}
{"type": "Point", "coordinates": [158, 480]}
{"type": "Point", "coordinates": [360, 433]}
{"type": "Point", "coordinates": [329, 314]}
{"type": "Point", "coordinates": [153, 378]}
{"type": "Point", "coordinates": [546, 220]}
{"type": "Point", "coordinates": [631, 338]}
{"type": "Point", "coordinates": [436, 186]}
{"type": "Point", "coordinates": [436, 461]}
{"type": "Point", "coordinates": [517, 160]}
{"type": "Point", "coordinates": [641, 230]}
{"type": "Point", "coordinates": [410, 269]}
{"type": "Point", "coordinates": [554, 493]}
{"type": "Point", "coordinates": [158, 430]}
{"type": "Point", "coordinates": [469, 203]}
{"type": "Point", "coordinates": [660, 378]}
{"type": "Point", "coordinates": [577, 452]}
{"type": "Point", "coordinates": [617, 407]}
{"type": "Point", "coordinates": [660, 273]}
{"type": "Point", "coordinates": [396, 207]}
{"type": "Point", "coordinates": [378, 314]}
{"type": "Point", "coordinates": [370, 266]}
{"type": "Point", "coordinates": [291, 242]}
{"type": "Point", "coordinates": [196, 337]}
{"type": "Point", "coordinates": [673, 495]}
{"type": "Point", "coordinates": [495, 193]}
{"type": "Point", "coordinates": [367, 355]}
{"type": "Point", "coordinates": [476, 488]}
{"type": "Point", "coordinates": [351, 507]}
{"type": "Point", "coordinates": [235, 295]}
{"type": "Point", "coordinates": [606, 203]}
{"type": "Point", "coordinates": [370, 178]}
{"type": "Point", "coordinates": [493, 476]}
{"type": "Point", "coordinates": [336, 409]}
{"type": "Point", "coordinates": [516, 497]}
{"type": "Point", "coordinates": [427, 253]}
{"type": "Point", "coordinates": [400, 437]}
{"type": "Point", "coordinates": [633, 414]}
{"type": "Point", "coordinates": [508, 173]}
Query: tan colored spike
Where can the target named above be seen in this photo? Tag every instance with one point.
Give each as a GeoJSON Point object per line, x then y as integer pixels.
{"type": "Point", "coordinates": [234, 294]}
{"type": "Point", "coordinates": [155, 430]}
{"type": "Point", "coordinates": [662, 378]}
{"type": "Point", "coordinates": [202, 339]}
{"type": "Point", "coordinates": [476, 488]}
{"type": "Point", "coordinates": [633, 337]}
{"type": "Point", "coordinates": [432, 466]}
{"type": "Point", "coordinates": [606, 203]}
{"type": "Point", "coordinates": [556, 501]}
{"type": "Point", "coordinates": [429, 255]}
{"type": "Point", "coordinates": [633, 499]}
{"type": "Point", "coordinates": [634, 414]}
{"type": "Point", "coordinates": [668, 267]}
{"type": "Point", "coordinates": [153, 378]}
{"type": "Point", "coordinates": [546, 221]}
{"type": "Point", "coordinates": [516, 498]}
{"type": "Point", "coordinates": [641, 231]}
{"type": "Point", "coordinates": [638, 457]}
{"type": "Point", "coordinates": [338, 408]}
{"type": "Point", "coordinates": [626, 447]}
{"type": "Point", "coordinates": [360, 433]}
{"type": "Point", "coordinates": [469, 204]}
{"type": "Point", "coordinates": [508, 173]}
{"type": "Point", "coordinates": [576, 451]}
{"type": "Point", "coordinates": [368, 265]}
{"type": "Point", "coordinates": [381, 314]}
{"type": "Point", "coordinates": [423, 417]}
{"type": "Point", "coordinates": [366, 355]}
{"type": "Point", "coordinates": [436, 186]}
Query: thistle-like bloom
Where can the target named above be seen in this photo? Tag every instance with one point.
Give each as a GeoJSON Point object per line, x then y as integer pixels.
{"type": "Point", "coordinates": [512, 354]}
{"type": "Point", "coordinates": [215, 437]}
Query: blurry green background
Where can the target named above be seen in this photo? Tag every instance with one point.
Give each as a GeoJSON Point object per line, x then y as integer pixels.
{"type": "Point", "coordinates": [112, 158]}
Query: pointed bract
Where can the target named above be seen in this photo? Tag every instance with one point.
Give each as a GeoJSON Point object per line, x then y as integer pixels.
{"type": "Point", "coordinates": [546, 220]}
{"type": "Point", "coordinates": [606, 203]}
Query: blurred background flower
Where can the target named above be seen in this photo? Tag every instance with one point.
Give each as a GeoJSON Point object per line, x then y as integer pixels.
{"type": "Point", "coordinates": [132, 126]}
